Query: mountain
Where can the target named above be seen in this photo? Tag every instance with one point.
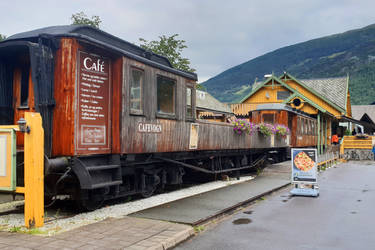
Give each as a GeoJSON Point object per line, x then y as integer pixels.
{"type": "Point", "coordinates": [351, 52]}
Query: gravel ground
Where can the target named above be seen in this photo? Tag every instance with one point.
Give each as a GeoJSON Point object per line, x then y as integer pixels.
{"type": "Point", "coordinates": [52, 225]}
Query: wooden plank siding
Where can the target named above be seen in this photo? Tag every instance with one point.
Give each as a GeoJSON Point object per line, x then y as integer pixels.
{"type": "Point", "coordinates": [64, 88]}
{"type": "Point", "coordinates": [175, 135]}
{"type": "Point", "coordinates": [117, 80]}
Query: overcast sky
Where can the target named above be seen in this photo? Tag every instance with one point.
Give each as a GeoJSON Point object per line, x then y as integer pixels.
{"type": "Point", "coordinates": [219, 34]}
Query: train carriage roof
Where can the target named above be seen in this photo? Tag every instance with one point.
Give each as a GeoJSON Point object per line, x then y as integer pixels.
{"type": "Point", "coordinates": [101, 38]}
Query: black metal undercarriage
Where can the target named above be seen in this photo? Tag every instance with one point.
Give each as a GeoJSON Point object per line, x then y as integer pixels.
{"type": "Point", "coordinates": [91, 180]}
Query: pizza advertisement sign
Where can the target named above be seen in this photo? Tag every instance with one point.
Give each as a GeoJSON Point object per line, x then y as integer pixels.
{"type": "Point", "coordinates": [304, 165]}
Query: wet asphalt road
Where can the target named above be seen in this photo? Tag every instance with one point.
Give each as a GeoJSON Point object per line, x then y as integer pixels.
{"type": "Point", "coordinates": [342, 217]}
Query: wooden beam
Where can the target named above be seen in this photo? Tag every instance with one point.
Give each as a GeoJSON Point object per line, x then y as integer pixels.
{"type": "Point", "coordinates": [34, 172]}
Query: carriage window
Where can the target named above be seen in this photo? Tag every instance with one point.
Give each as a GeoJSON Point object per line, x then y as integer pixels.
{"type": "Point", "coordinates": [282, 95]}
{"type": "Point", "coordinates": [166, 89]}
{"type": "Point", "coordinates": [136, 85]}
{"type": "Point", "coordinates": [189, 110]}
{"type": "Point", "coordinates": [268, 118]}
{"type": "Point", "coordinates": [24, 95]}
{"type": "Point", "coordinates": [302, 126]}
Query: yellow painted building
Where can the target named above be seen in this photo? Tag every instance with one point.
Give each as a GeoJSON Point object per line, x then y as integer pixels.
{"type": "Point", "coordinates": [326, 99]}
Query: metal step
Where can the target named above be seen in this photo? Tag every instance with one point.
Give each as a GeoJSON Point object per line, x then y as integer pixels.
{"type": "Point", "coordinates": [101, 167]}
{"type": "Point", "coordinates": [106, 184]}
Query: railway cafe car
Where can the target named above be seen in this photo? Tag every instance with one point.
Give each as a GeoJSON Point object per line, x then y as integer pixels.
{"type": "Point", "coordinates": [325, 100]}
{"type": "Point", "coordinates": [118, 120]}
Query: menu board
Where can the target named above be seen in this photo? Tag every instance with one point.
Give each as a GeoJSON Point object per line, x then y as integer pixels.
{"type": "Point", "coordinates": [93, 103]}
{"type": "Point", "coordinates": [304, 165]}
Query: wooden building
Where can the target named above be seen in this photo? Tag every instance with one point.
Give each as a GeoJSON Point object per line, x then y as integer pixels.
{"type": "Point", "coordinates": [209, 108]}
{"type": "Point", "coordinates": [326, 99]}
{"type": "Point", "coordinates": [366, 115]}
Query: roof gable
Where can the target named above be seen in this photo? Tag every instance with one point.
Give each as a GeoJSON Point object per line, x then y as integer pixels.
{"type": "Point", "coordinates": [332, 90]}
{"type": "Point", "coordinates": [272, 80]}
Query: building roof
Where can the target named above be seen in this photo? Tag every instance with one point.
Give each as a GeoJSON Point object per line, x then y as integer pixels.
{"type": "Point", "coordinates": [280, 106]}
{"type": "Point", "coordinates": [358, 111]}
{"type": "Point", "coordinates": [102, 38]}
{"type": "Point", "coordinates": [334, 89]}
{"type": "Point", "coordinates": [206, 102]}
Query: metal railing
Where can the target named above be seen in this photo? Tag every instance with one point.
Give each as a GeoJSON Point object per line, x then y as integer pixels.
{"type": "Point", "coordinates": [328, 159]}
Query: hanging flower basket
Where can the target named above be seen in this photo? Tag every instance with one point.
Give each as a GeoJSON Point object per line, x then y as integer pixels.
{"type": "Point", "coordinates": [281, 130]}
{"type": "Point", "coordinates": [242, 126]}
{"type": "Point", "coordinates": [266, 129]}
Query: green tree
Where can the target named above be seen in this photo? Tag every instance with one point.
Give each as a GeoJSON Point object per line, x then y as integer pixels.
{"type": "Point", "coordinates": [200, 87]}
{"type": "Point", "coordinates": [2, 37]}
{"type": "Point", "coordinates": [82, 18]}
{"type": "Point", "coordinates": [171, 48]}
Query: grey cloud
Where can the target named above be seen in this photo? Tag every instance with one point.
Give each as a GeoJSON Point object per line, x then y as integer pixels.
{"type": "Point", "coordinates": [219, 34]}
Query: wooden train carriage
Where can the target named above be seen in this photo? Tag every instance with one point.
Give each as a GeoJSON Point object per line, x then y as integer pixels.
{"type": "Point", "coordinates": [118, 119]}
{"type": "Point", "coordinates": [302, 126]}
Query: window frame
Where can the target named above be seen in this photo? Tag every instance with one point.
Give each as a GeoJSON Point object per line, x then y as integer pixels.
{"type": "Point", "coordinates": [134, 111]}
{"type": "Point", "coordinates": [192, 105]}
{"type": "Point", "coordinates": [162, 114]}
{"type": "Point", "coordinates": [269, 114]}
{"type": "Point", "coordinates": [277, 95]}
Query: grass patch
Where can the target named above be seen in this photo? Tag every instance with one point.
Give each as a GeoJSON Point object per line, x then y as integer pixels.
{"type": "Point", "coordinates": [15, 229]}
{"type": "Point", "coordinates": [198, 229]}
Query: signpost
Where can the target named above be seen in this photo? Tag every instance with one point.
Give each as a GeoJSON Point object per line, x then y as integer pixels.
{"type": "Point", "coordinates": [304, 172]}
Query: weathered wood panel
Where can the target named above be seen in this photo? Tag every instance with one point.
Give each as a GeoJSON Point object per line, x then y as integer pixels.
{"type": "Point", "coordinates": [65, 77]}
{"type": "Point", "coordinates": [117, 80]}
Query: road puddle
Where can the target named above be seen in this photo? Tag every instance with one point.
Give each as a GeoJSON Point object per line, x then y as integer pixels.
{"type": "Point", "coordinates": [248, 212]}
{"type": "Point", "coordinates": [241, 221]}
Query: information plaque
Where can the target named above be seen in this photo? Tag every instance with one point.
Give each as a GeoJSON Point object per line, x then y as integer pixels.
{"type": "Point", "coordinates": [94, 104]}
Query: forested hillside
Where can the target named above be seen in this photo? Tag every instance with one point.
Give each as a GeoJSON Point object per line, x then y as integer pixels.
{"type": "Point", "coordinates": [352, 52]}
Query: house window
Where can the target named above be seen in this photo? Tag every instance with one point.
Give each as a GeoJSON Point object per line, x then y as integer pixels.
{"type": "Point", "coordinates": [166, 93]}
{"type": "Point", "coordinates": [268, 118]}
{"type": "Point", "coordinates": [189, 109]}
{"type": "Point", "coordinates": [136, 86]}
{"type": "Point", "coordinates": [24, 95]}
{"type": "Point", "coordinates": [282, 95]}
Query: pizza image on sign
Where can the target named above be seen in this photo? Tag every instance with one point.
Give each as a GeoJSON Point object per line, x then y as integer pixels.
{"type": "Point", "coordinates": [303, 162]}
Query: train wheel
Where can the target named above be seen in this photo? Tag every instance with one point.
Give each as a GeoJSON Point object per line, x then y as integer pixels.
{"type": "Point", "coordinates": [148, 192]}
{"type": "Point", "coordinates": [89, 200]}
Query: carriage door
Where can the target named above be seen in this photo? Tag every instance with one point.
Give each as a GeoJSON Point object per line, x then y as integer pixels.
{"type": "Point", "coordinates": [23, 93]}
{"type": "Point", "coordinates": [93, 113]}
